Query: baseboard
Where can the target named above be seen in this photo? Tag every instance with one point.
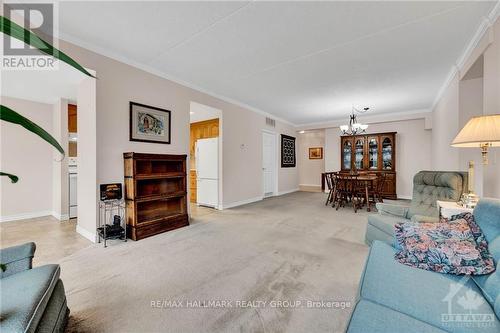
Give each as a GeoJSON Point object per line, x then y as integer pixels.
{"type": "Point", "coordinates": [60, 217]}
{"type": "Point", "coordinates": [241, 203]}
{"type": "Point", "coordinates": [87, 234]}
{"type": "Point", "coordinates": [310, 185]}
{"type": "Point", "coordinates": [406, 197]}
{"type": "Point", "coordinates": [25, 216]}
{"type": "Point", "coordinates": [288, 192]}
{"type": "Point", "coordinates": [252, 200]}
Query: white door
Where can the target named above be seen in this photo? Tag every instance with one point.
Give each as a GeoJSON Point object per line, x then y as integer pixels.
{"type": "Point", "coordinates": [268, 163]}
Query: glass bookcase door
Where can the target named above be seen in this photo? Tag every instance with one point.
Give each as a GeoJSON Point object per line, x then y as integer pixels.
{"type": "Point", "coordinates": [359, 149]}
{"type": "Point", "coordinates": [387, 150]}
{"type": "Point", "coordinates": [347, 155]}
{"type": "Point", "coordinates": [373, 153]}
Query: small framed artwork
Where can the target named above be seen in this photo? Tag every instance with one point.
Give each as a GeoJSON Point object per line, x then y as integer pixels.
{"type": "Point", "coordinates": [316, 153]}
{"type": "Point", "coordinates": [287, 151]}
{"type": "Point", "coordinates": [149, 123]}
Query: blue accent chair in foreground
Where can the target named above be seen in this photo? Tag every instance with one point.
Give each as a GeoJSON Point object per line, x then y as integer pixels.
{"type": "Point", "coordinates": [31, 299]}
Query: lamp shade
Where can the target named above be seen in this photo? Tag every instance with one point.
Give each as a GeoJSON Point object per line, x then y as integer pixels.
{"type": "Point", "coordinates": [479, 131]}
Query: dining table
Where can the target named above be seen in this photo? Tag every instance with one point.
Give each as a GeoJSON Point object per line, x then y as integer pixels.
{"type": "Point", "coordinates": [367, 180]}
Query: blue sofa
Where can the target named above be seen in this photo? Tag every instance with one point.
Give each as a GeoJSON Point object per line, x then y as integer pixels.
{"type": "Point", "coordinates": [32, 299]}
{"type": "Point", "coordinates": [398, 298]}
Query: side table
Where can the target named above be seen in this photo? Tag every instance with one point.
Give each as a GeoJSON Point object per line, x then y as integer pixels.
{"type": "Point", "coordinates": [449, 208]}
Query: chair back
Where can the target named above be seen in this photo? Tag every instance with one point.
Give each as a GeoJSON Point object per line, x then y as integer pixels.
{"type": "Point", "coordinates": [330, 180]}
{"type": "Point", "coordinates": [430, 186]}
{"type": "Point", "coordinates": [381, 177]}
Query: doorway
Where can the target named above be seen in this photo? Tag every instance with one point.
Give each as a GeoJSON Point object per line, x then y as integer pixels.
{"type": "Point", "coordinates": [269, 173]}
{"type": "Point", "coordinates": [205, 156]}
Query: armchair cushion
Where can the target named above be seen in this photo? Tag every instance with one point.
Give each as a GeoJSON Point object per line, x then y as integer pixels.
{"type": "Point", "coordinates": [391, 209]}
{"type": "Point", "coordinates": [424, 219]}
{"type": "Point", "coordinates": [24, 297]}
{"type": "Point", "coordinates": [17, 258]}
{"type": "Point", "coordinates": [381, 227]}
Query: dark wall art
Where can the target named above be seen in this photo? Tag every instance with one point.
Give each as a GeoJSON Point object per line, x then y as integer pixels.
{"type": "Point", "coordinates": [149, 123]}
{"type": "Point", "coordinates": [287, 151]}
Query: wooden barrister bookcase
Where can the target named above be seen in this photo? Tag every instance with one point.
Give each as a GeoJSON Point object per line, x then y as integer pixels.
{"type": "Point", "coordinates": [155, 193]}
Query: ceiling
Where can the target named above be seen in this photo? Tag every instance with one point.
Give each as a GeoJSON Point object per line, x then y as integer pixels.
{"type": "Point", "coordinates": [44, 86]}
{"type": "Point", "coordinates": [305, 62]}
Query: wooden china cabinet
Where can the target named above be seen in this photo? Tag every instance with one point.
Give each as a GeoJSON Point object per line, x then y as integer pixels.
{"type": "Point", "coordinates": [371, 154]}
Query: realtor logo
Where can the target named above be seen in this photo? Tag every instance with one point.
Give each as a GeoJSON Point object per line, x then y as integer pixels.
{"type": "Point", "coordinates": [465, 307]}
{"type": "Point", "coordinates": [37, 18]}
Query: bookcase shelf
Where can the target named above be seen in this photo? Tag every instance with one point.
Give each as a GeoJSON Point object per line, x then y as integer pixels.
{"type": "Point", "coordinates": [155, 193]}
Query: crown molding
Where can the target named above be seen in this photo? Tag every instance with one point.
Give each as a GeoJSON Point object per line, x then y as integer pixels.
{"type": "Point", "coordinates": [372, 119]}
{"type": "Point", "coordinates": [485, 25]}
{"type": "Point", "coordinates": [106, 53]}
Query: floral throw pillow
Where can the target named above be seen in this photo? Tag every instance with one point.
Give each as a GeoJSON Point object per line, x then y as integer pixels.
{"type": "Point", "coordinates": [455, 246]}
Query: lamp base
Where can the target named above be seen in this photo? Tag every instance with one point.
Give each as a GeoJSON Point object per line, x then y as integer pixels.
{"type": "Point", "coordinates": [469, 200]}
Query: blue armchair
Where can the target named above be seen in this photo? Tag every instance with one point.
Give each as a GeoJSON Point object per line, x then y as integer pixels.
{"type": "Point", "coordinates": [32, 299]}
{"type": "Point", "coordinates": [428, 187]}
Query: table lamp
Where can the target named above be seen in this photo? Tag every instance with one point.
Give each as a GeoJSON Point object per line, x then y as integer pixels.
{"type": "Point", "coordinates": [482, 132]}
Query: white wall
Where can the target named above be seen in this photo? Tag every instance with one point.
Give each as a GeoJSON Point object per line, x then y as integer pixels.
{"type": "Point", "coordinates": [119, 83]}
{"type": "Point", "coordinates": [470, 105]}
{"type": "Point", "coordinates": [310, 170]}
{"type": "Point", "coordinates": [87, 192]}
{"type": "Point", "coordinates": [460, 100]}
{"type": "Point", "coordinates": [413, 150]}
{"type": "Point", "coordinates": [29, 157]}
{"type": "Point", "coordinates": [60, 179]}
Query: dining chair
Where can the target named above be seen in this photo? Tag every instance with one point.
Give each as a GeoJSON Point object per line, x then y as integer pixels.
{"type": "Point", "coordinates": [379, 190]}
{"type": "Point", "coordinates": [346, 191]}
{"type": "Point", "coordinates": [330, 183]}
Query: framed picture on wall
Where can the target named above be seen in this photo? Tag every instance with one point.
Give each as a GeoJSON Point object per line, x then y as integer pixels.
{"type": "Point", "coordinates": [316, 153]}
{"type": "Point", "coordinates": [149, 123]}
{"type": "Point", "coordinates": [287, 151]}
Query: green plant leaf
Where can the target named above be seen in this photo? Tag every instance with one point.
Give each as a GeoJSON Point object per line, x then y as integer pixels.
{"type": "Point", "coordinates": [12, 116]}
{"type": "Point", "coordinates": [16, 31]}
{"type": "Point", "coordinates": [13, 178]}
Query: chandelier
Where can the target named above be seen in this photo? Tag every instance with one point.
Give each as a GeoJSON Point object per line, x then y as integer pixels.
{"type": "Point", "coordinates": [354, 127]}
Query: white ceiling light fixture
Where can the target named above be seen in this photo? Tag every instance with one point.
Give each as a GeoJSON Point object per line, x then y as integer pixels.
{"type": "Point", "coordinates": [354, 127]}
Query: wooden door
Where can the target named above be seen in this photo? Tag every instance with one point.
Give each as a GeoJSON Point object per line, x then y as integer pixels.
{"type": "Point", "coordinates": [347, 153]}
{"type": "Point", "coordinates": [373, 156]}
{"type": "Point", "coordinates": [72, 118]}
{"type": "Point", "coordinates": [359, 153]}
{"type": "Point", "coordinates": [388, 148]}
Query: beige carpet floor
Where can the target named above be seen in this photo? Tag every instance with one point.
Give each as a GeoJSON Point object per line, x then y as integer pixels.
{"type": "Point", "coordinates": [289, 248]}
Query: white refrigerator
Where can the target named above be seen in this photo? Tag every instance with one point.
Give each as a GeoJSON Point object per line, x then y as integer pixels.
{"type": "Point", "coordinates": [207, 172]}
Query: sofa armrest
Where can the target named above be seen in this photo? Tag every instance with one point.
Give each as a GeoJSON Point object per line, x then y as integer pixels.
{"type": "Point", "coordinates": [17, 258]}
{"type": "Point", "coordinates": [424, 219]}
{"type": "Point", "coordinates": [394, 210]}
